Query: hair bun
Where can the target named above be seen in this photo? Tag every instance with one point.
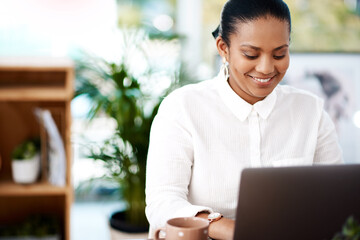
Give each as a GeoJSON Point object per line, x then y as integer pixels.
{"type": "Point", "coordinates": [215, 33]}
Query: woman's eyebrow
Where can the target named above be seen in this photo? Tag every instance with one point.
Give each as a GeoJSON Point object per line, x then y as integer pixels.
{"type": "Point", "coordinates": [251, 46]}
{"type": "Point", "coordinates": [258, 49]}
{"type": "Point", "coordinates": [282, 46]}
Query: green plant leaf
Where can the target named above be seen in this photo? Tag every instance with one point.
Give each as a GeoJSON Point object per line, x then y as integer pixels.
{"type": "Point", "coordinates": [26, 149]}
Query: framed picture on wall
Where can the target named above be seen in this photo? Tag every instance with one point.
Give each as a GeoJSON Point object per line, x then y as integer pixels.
{"type": "Point", "coordinates": [335, 77]}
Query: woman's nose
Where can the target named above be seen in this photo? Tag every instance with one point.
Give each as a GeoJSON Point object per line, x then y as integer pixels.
{"type": "Point", "coordinates": [265, 65]}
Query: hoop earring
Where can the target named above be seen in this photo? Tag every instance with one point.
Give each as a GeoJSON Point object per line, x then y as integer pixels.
{"type": "Point", "coordinates": [225, 68]}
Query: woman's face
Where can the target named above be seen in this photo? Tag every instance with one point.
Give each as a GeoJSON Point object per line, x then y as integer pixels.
{"type": "Point", "coordinates": [258, 57]}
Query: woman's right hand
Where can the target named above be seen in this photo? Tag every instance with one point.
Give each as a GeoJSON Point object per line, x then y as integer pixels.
{"type": "Point", "coordinates": [221, 229]}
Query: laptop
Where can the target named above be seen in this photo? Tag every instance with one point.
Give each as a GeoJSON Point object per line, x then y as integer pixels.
{"type": "Point", "coordinates": [297, 203]}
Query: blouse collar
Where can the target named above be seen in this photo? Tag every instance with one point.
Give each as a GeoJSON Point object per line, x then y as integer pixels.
{"type": "Point", "coordinates": [239, 107]}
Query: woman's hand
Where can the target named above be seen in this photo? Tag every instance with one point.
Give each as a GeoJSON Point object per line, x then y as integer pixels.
{"type": "Point", "coordinates": [221, 229]}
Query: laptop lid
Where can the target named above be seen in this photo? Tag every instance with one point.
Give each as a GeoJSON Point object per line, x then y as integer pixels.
{"type": "Point", "coordinates": [311, 202]}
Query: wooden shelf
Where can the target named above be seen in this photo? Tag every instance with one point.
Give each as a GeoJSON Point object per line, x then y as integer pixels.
{"type": "Point", "coordinates": [36, 63]}
{"type": "Point", "coordinates": [34, 94]}
{"type": "Point", "coordinates": [25, 85]}
{"type": "Point", "coordinates": [9, 188]}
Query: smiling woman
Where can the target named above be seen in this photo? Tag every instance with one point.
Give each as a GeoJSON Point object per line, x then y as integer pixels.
{"type": "Point", "coordinates": [205, 134]}
{"type": "Point", "coordinates": [262, 48]}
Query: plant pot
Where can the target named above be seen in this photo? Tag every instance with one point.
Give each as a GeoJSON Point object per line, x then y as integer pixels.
{"type": "Point", "coordinates": [26, 171]}
{"type": "Point", "coordinates": [118, 222]}
{"type": "Point", "coordinates": [121, 229]}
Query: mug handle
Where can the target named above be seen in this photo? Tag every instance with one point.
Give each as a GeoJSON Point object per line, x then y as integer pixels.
{"type": "Point", "coordinates": [157, 233]}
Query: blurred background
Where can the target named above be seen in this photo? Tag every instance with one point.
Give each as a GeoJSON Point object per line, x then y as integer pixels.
{"type": "Point", "coordinates": [165, 44]}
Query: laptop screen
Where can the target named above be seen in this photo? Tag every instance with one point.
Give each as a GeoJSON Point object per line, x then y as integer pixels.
{"type": "Point", "coordinates": [311, 202]}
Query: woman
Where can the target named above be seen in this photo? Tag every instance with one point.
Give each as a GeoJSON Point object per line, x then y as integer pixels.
{"type": "Point", "coordinates": [205, 134]}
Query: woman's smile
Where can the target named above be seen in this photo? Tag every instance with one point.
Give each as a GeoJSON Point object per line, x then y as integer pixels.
{"type": "Point", "coordinates": [261, 81]}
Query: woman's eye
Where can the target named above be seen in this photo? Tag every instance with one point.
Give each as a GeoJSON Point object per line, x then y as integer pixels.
{"type": "Point", "coordinates": [279, 57]}
{"type": "Point", "coordinates": [251, 57]}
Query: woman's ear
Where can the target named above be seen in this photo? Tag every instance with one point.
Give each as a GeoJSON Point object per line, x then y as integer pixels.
{"type": "Point", "coordinates": [222, 47]}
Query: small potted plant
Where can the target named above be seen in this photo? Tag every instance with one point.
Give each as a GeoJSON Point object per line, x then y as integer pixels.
{"type": "Point", "coordinates": [350, 230]}
{"type": "Point", "coordinates": [26, 162]}
{"type": "Point", "coordinates": [33, 227]}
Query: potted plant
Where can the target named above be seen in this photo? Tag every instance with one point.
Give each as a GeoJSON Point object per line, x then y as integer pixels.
{"type": "Point", "coordinates": [33, 227]}
{"type": "Point", "coordinates": [125, 153]}
{"type": "Point", "coordinates": [117, 93]}
{"type": "Point", "coordinates": [350, 230]}
{"type": "Point", "coordinates": [26, 161]}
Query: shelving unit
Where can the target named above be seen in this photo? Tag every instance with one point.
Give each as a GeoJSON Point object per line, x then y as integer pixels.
{"type": "Point", "coordinates": [27, 83]}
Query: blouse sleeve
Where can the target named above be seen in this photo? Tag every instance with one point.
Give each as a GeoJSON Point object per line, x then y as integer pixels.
{"type": "Point", "coordinates": [169, 164]}
{"type": "Point", "coordinates": [328, 150]}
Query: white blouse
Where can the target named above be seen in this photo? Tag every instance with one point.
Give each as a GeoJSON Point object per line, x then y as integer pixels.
{"type": "Point", "coordinates": [204, 135]}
